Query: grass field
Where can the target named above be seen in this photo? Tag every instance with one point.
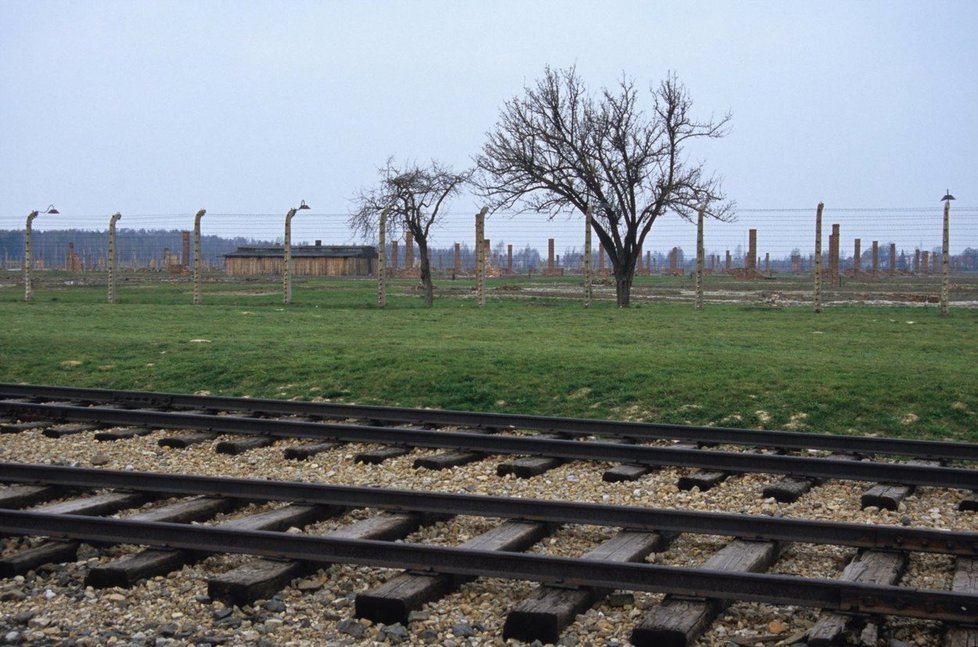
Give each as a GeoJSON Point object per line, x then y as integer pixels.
{"type": "Point", "coordinates": [897, 370]}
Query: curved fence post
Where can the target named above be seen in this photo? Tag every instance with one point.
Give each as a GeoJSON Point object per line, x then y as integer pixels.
{"type": "Point", "coordinates": [287, 269]}
{"type": "Point", "coordinates": [28, 257]}
{"type": "Point", "coordinates": [113, 255]}
{"type": "Point", "coordinates": [198, 297]}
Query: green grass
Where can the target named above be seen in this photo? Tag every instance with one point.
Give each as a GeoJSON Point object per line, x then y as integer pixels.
{"type": "Point", "coordinates": [894, 371]}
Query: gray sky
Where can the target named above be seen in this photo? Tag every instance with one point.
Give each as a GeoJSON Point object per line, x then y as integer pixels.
{"type": "Point", "coordinates": [248, 107]}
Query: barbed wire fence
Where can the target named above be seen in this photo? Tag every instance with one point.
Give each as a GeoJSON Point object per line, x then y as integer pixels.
{"type": "Point", "coordinates": [771, 240]}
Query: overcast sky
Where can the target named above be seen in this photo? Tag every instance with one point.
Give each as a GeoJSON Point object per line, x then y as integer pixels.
{"type": "Point", "coordinates": [248, 107]}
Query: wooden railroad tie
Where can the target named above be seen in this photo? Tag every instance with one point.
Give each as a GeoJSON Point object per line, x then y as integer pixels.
{"type": "Point", "coordinates": [307, 450]}
{"type": "Point", "coordinates": [870, 567]}
{"type": "Point", "coordinates": [52, 550]}
{"type": "Point", "coordinates": [263, 578]}
{"type": "Point", "coordinates": [241, 445]}
{"type": "Point", "coordinates": [452, 457]}
{"type": "Point", "coordinates": [381, 454]}
{"type": "Point", "coordinates": [549, 611]}
{"type": "Point", "coordinates": [789, 489]}
{"type": "Point", "coordinates": [21, 496]}
{"type": "Point", "coordinates": [680, 621]}
{"type": "Point", "coordinates": [70, 429]}
{"type": "Point", "coordinates": [121, 433]}
{"type": "Point", "coordinates": [17, 427]}
{"type": "Point", "coordinates": [129, 569]}
{"type": "Point", "coordinates": [186, 440]}
{"type": "Point", "coordinates": [969, 503]}
{"type": "Point", "coordinates": [624, 471]}
{"type": "Point", "coordinates": [394, 600]}
{"type": "Point", "coordinates": [886, 496]}
{"type": "Point", "coordinates": [965, 581]}
{"type": "Point", "coordinates": [529, 466]}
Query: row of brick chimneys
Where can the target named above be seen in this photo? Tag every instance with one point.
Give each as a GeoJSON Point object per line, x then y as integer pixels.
{"type": "Point", "coordinates": [76, 263]}
{"type": "Point", "coordinates": [924, 261]}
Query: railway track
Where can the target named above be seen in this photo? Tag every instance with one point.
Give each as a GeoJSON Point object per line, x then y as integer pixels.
{"type": "Point", "coordinates": [635, 552]}
{"type": "Point", "coordinates": [523, 522]}
{"type": "Point", "coordinates": [626, 448]}
{"type": "Point", "coordinates": [639, 431]}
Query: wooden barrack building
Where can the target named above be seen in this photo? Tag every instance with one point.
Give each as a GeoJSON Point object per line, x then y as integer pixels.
{"type": "Point", "coordinates": [307, 260]}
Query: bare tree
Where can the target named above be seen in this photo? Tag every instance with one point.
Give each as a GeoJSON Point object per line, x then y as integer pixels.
{"type": "Point", "coordinates": [413, 197]}
{"type": "Point", "coordinates": [557, 147]}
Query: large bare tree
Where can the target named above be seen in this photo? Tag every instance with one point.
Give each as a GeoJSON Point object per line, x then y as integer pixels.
{"type": "Point", "coordinates": [413, 197]}
{"type": "Point", "coordinates": [558, 147]}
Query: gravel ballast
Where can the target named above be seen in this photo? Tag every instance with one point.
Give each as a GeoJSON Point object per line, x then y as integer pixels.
{"type": "Point", "coordinates": [53, 606]}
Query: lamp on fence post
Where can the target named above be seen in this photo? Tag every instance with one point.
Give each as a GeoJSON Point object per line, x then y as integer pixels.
{"type": "Point", "coordinates": [287, 270]}
{"type": "Point", "coordinates": [113, 255]}
{"type": "Point", "coordinates": [945, 261]}
{"type": "Point", "coordinates": [28, 261]}
{"type": "Point", "coordinates": [197, 295]}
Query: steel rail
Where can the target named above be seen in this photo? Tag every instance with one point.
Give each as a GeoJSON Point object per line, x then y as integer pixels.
{"type": "Point", "coordinates": [930, 449]}
{"type": "Point", "coordinates": [781, 590]}
{"type": "Point", "coordinates": [524, 445]}
{"type": "Point", "coordinates": [869, 536]}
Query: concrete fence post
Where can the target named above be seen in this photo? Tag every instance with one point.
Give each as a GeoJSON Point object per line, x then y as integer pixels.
{"type": "Point", "coordinates": [28, 260]}
{"type": "Point", "coordinates": [835, 245]}
{"type": "Point", "coordinates": [198, 296]}
{"type": "Point", "coordinates": [382, 260]}
{"type": "Point", "coordinates": [588, 285]}
{"type": "Point", "coordinates": [818, 257]}
{"type": "Point", "coordinates": [856, 256]}
{"type": "Point", "coordinates": [876, 258]}
{"type": "Point", "coordinates": [113, 255]}
{"type": "Point", "coordinates": [287, 259]}
{"type": "Point", "coordinates": [550, 256]}
{"type": "Point", "coordinates": [700, 253]}
{"type": "Point", "coordinates": [945, 268]}
{"type": "Point", "coordinates": [480, 255]}
{"type": "Point", "coordinates": [458, 259]}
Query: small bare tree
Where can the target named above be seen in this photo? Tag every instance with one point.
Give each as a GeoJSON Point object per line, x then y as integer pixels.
{"type": "Point", "coordinates": [413, 196]}
{"type": "Point", "coordinates": [557, 147]}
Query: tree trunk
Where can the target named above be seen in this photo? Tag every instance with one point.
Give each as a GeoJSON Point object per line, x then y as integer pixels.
{"type": "Point", "coordinates": [429, 288]}
{"type": "Point", "coordinates": [624, 272]}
